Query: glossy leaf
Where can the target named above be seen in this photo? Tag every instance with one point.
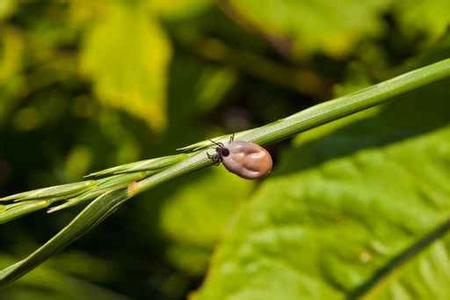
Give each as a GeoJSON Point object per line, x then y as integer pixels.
{"type": "Point", "coordinates": [361, 211]}
{"type": "Point", "coordinates": [206, 203]}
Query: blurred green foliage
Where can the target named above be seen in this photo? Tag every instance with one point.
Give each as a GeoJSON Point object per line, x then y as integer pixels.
{"type": "Point", "coordinates": [86, 85]}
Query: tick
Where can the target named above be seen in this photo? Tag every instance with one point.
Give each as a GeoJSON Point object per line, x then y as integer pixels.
{"type": "Point", "coordinates": [245, 159]}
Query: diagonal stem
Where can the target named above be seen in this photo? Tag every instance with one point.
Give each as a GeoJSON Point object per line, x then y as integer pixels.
{"type": "Point", "coordinates": [315, 116]}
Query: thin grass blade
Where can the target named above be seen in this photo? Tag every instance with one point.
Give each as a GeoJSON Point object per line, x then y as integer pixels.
{"type": "Point", "coordinates": [207, 143]}
{"type": "Point", "coordinates": [104, 185]}
{"type": "Point", "coordinates": [15, 210]}
{"type": "Point", "coordinates": [53, 192]}
{"type": "Point", "coordinates": [92, 215]}
{"type": "Point", "coordinates": [143, 165]}
{"type": "Point", "coordinates": [120, 180]}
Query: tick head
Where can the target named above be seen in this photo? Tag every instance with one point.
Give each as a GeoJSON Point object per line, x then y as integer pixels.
{"type": "Point", "coordinates": [223, 151]}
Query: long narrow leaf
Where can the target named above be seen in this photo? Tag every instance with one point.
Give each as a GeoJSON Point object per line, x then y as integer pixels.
{"type": "Point", "coordinates": [143, 165]}
{"type": "Point", "coordinates": [315, 116]}
{"type": "Point", "coordinates": [92, 215]}
{"type": "Point", "coordinates": [15, 210]}
{"type": "Point", "coordinates": [53, 192]}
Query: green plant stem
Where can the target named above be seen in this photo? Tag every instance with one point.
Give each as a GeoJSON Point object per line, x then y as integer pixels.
{"type": "Point", "coordinates": [106, 204]}
{"type": "Point", "coordinates": [91, 216]}
{"type": "Point", "coordinates": [315, 116]}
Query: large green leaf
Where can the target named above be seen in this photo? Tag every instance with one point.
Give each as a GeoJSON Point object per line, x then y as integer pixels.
{"type": "Point", "coordinates": [328, 26]}
{"type": "Point", "coordinates": [358, 211]}
{"type": "Point", "coordinates": [126, 54]}
{"type": "Point", "coordinates": [194, 218]}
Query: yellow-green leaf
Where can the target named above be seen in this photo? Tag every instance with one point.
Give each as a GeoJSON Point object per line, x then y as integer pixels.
{"type": "Point", "coordinates": [11, 51]}
{"type": "Point", "coordinates": [333, 27]}
{"type": "Point", "coordinates": [431, 17]}
{"type": "Point", "coordinates": [126, 54]}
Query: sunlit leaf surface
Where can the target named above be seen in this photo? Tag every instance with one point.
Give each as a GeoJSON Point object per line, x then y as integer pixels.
{"type": "Point", "coordinates": [207, 204]}
{"type": "Point", "coordinates": [342, 207]}
{"type": "Point", "coordinates": [424, 17]}
{"type": "Point", "coordinates": [303, 27]}
{"type": "Point", "coordinates": [126, 55]}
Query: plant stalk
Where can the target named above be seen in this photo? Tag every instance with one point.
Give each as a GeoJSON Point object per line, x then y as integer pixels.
{"type": "Point", "coordinates": [313, 117]}
{"type": "Point", "coordinates": [107, 203]}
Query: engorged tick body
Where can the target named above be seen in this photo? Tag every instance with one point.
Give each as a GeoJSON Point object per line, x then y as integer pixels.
{"type": "Point", "coordinates": [245, 159]}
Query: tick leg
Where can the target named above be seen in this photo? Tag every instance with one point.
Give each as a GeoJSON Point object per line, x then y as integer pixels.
{"type": "Point", "coordinates": [231, 138]}
{"type": "Point", "coordinates": [211, 157]}
{"type": "Point", "coordinates": [217, 143]}
{"type": "Point", "coordinates": [214, 157]}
